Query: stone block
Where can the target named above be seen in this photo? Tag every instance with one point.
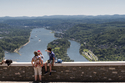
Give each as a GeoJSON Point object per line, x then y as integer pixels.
{"type": "Point", "coordinates": [17, 73]}
{"type": "Point", "coordinates": [68, 71]}
{"type": "Point", "coordinates": [5, 67]}
{"type": "Point", "coordinates": [95, 72]}
{"type": "Point", "coordinates": [111, 68]}
{"type": "Point", "coordinates": [123, 71]}
{"type": "Point", "coordinates": [114, 72]}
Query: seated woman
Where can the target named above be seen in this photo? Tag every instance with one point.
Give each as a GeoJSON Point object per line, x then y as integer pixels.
{"type": "Point", "coordinates": [37, 63]}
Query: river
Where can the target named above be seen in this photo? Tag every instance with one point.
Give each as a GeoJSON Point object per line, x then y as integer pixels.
{"type": "Point", "coordinates": [39, 40]}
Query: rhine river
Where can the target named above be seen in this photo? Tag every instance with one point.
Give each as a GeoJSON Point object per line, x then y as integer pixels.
{"type": "Point", "coordinates": [39, 40]}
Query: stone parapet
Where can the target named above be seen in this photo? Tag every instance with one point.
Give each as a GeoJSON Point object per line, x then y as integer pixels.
{"type": "Point", "coordinates": [67, 72]}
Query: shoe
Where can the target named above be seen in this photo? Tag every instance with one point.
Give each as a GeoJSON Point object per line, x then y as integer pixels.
{"type": "Point", "coordinates": [45, 73]}
{"type": "Point", "coordinates": [50, 74]}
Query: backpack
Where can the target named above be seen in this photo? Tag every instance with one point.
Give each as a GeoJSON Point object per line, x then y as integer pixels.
{"type": "Point", "coordinates": [36, 61]}
{"type": "Point", "coordinates": [59, 61]}
{"type": "Point", "coordinates": [8, 62]}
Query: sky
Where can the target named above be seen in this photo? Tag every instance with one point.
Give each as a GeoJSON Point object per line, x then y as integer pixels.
{"type": "Point", "coordinates": [36, 8]}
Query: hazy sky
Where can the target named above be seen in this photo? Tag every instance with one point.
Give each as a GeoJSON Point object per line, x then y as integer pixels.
{"type": "Point", "coordinates": [61, 7]}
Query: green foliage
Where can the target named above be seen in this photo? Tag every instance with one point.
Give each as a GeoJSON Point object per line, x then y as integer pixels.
{"type": "Point", "coordinates": [12, 37]}
{"type": "Point", "coordinates": [104, 35]}
{"type": "Point", "coordinates": [60, 47]}
{"type": "Point", "coordinates": [109, 46]}
{"type": "Point", "coordinates": [107, 40]}
{"type": "Point", "coordinates": [1, 54]}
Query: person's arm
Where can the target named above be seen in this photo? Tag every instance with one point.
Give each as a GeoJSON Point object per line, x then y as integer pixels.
{"type": "Point", "coordinates": [46, 50]}
{"type": "Point", "coordinates": [53, 59]}
{"type": "Point", "coordinates": [41, 53]}
{"type": "Point", "coordinates": [32, 62]}
{"type": "Point", "coordinates": [42, 56]}
{"type": "Point", "coordinates": [42, 63]}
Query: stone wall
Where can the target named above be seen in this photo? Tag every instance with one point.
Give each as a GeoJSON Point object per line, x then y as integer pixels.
{"type": "Point", "coordinates": [67, 72]}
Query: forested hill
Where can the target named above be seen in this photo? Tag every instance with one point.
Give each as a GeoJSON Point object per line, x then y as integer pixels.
{"type": "Point", "coordinates": [78, 32]}
{"type": "Point", "coordinates": [108, 46]}
{"type": "Point", "coordinates": [81, 32]}
{"type": "Point", "coordinates": [60, 47]}
{"type": "Point", "coordinates": [12, 38]}
{"type": "Point", "coordinates": [105, 40]}
{"type": "Point", "coordinates": [61, 22]}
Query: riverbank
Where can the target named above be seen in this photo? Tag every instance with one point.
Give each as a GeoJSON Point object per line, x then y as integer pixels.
{"type": "Point", "coordinates": [17, 50]}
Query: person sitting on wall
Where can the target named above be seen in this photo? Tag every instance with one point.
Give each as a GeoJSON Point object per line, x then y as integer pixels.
{"type": "Point", "coordinates": [8, 62]}
{"type": "Point", "coordinates": [37, 63]}
{"type": "Point", "coordinates": [50, 61]}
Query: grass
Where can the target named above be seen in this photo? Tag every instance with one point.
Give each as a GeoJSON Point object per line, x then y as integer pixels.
{"type": "Point", "coordinates": [57, 48]}
{"type": "Point", "coordinates": [85, 50]}
{"type": "Point", "coordinates": [86, 57]}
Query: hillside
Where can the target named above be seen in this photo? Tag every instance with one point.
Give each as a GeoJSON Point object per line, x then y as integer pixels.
{"type": "Point", "coordinates": [108, 46]}
{"type": "Point", "coordinates": [12, 37]}
{"type": "Point", "coordinates": [105, 40]}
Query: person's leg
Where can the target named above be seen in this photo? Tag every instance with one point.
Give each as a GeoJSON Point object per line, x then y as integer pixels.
{"type": "Point", "coordinates": [35, 77]}
{"type": "Point", "coordinates": [40, 79]}
{"type": "Point", "coordinates": [39, 70]}
{"type": "Point", "coordinates": [52, 63]}
{"type": "Point", "coordinates": [45, 67]}
{"type": "Point", "coordinates": [35, 71]}
{"type": "Point", "coordinates": [50, 67]}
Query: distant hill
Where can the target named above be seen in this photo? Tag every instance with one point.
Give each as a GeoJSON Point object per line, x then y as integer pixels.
{"type": "Point", "coordinates": [116, 16]}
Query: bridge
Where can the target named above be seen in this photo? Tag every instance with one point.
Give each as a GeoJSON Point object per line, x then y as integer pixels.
{"type": "Point", "coordinates": [109, 71]}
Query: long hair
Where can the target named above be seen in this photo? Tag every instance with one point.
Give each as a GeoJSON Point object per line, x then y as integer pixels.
{"type": "Point", "coordinates": [36, 54]}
